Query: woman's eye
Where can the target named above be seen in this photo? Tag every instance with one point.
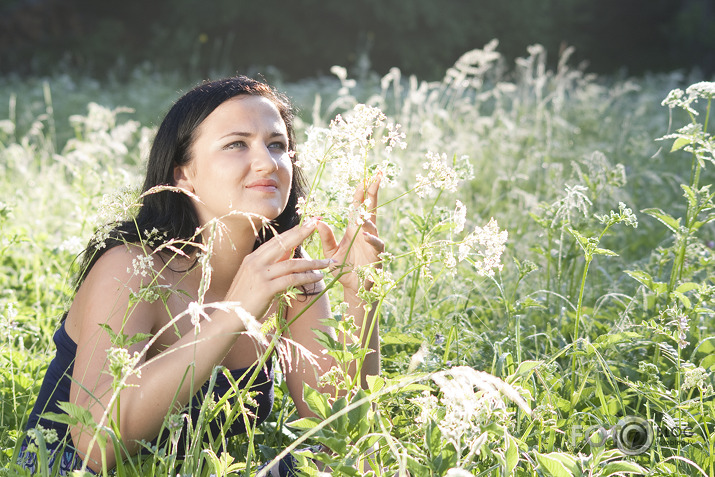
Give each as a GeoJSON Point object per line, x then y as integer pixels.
{"type": "Point", "coordinates": [278, 145]}
{"type": "Point", "coordinates": [235, 145]}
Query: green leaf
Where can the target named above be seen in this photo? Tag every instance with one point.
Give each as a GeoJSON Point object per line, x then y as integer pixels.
{"type": "Point", "coordinates": [553, 464]}
{"type": "Point", "coordinates": [524, 370]}
{"type": "Point", "coordinates": [316, 401]}
{"type": "Point", "coordinates": [621, 466]}
{"type": "Point", "coordinates": [683, 299]}
{"type": "Point", "coordinates": [604, 251]}
{"type": "Point", "coordinates": [392, 338]}
{"type": "Point", "coordinates": [304, 423]}
{"type": "Point", "coordinates": [680, 143]}
{"type": "Point", "coordinates": [691, 195]}
{"type": "Point", "coordinates": [511, 456]}
{"type": "Point", "coordinates": [665, 219]}
{"type": "Point", "coordinates": [358, 423]}
{"type": "Point", "coordinates": [340, 424]}
{"type": "Point", "coordinates": [647, 281]}
{"type": "Point", "coordinates": [686, 287]}
{"type": "Point", "coordinates": [708, 362]}
{"type": "Point", "coordinates": [375, 383]}
{"type": "Point", "coordinates": [433, 439]}
{"type": "Point", "coordinates": [76, 414]}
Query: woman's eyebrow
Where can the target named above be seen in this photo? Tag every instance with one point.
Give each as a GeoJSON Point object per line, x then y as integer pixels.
{"type": "Point", "coordinates": [250, 134]}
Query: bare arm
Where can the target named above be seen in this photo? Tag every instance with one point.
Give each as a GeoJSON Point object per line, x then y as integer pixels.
{"type": "Point", "coordinates": [176, 372]}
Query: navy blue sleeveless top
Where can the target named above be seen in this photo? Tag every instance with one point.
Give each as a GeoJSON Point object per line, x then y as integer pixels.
{"type": "Point", "coordinates": [56, 389]}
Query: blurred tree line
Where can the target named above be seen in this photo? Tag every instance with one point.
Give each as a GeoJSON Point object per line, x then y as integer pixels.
{"type": "Point", "coordinates": [303, 38]}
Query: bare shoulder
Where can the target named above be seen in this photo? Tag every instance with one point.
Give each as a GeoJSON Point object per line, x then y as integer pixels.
{"type": "Point", "coordinates": [113, 290]}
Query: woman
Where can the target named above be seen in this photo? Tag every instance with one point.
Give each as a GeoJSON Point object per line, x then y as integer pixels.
{"type": "Point", "coordinates": [225, 154]}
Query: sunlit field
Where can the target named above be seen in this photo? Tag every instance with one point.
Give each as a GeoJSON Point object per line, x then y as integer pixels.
{"type": "Point", "coordinates": [546, 299]}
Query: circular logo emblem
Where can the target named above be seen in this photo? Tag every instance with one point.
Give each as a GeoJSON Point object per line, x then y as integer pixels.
{"type": "Point", "coordinates": [633, 435]}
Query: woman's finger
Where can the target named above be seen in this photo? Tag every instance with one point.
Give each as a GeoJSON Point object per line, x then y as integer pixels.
{"type": "Point", "coordinates": [327, 239]}
{"type": "Point", "coordinates": [374, 241]}
{"type": "Point", "coordinates": [372, 192]}
{"type": "Point", "coordinates": [296, 265]}
{"type": "Point", "coordinates": [369, 227]}
{"type": "Point", "coordinates": [281, 246]}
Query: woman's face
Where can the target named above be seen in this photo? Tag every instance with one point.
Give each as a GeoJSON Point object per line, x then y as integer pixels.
{"type": "Point", "coordinates": [239, 161]}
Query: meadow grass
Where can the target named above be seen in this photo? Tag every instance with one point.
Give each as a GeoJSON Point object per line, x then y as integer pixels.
{"type": "Point", "coordinates": [582, 344]}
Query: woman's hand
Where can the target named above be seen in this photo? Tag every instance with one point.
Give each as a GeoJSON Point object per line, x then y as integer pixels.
{"type": "Point", "coordinates": [271, 269]}
{"type": "Point", "coordinates": [361, 245]}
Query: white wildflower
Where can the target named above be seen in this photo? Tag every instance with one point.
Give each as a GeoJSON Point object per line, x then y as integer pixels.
{"type": "Point", "coordinates": [117, 206]}
{"type": "Point", "coordinates": [489, 242]}
{"type": "Point", "coordinates": [394, 138]}
{"type": "Point", "coordinates": [459, 218]}
{"type": "Point", "coordinates": [48, 435]}
{"type": "Point", "coordinates": [314, 150]}
{"type": "Point", "coordinates": [7, 127]}
{"type": "Point", "coordinates": [427, 404]}
{"type": "Point", "coordinates": [8, 326]}
{"type": "Point", "coordinates": [121, 363]}
{"type": "Point", "coordinates": [143, 265]}
{"type": "Point", "coordinates": [695, 378]}
{"type": "Point", "coordinates": [418, 358]}
{"type": "Point", "coordinates": [441, 175]}
{"type": "Point", "coordinates": [703, 89]}
{"type": "Point", "coordinates": [73, 245]}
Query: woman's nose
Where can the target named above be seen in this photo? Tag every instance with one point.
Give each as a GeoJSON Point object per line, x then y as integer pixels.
{"type": "Point", "coordinates": [264, 160]}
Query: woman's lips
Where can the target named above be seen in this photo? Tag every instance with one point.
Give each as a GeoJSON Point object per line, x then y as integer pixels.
{"type": "Point", "coordinates": [263, 186]}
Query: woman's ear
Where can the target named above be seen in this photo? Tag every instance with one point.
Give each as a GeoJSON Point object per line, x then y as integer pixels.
{"type": "Point", "coordinates": [182, 179]}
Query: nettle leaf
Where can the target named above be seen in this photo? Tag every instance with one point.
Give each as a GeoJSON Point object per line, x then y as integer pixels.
{"type": "Point", "coordinates": [121, 340]}
{"type": "Point", "coordinates": [525, 368]}
{"type": "Point", "coordinates": [433, 439]}
{"type": "Point", "coordinates": [511, 456]}
{"type": "Point", "coordinates": [359, 424]}
{"type": "Point", "coordinates": [683, 299]}
{"type": "Point", "coordinates": [666, 219]}
{"type": "Point", "coordinates": [604, 251]}
{"type": "Point", "coordinates": [393, 338]}
{"type": "Point", "coordinates": [680, 143]}
{"type": "Point", "coordinates": [646, 280]}
{"type": "Point", "coordinates": [340, 424]}
{"type": "Point", "coordinates": [691, 195]}
{"type": "Point", "coordinates": [558, 464]}
{"type": "Point", "coordinates": [686, 287]}
{"type": "Point", "coordinates": [613, 468]}
{"type": "Point", "coordinates": [316, 401]}
{"type": "Point", "coordinates": [305, 423]}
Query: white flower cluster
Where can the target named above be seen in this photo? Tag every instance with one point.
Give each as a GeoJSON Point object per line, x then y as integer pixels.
{"type": "Point", "coordinates": [339, 155]}
{"type": "Point", "coordinates": [117, 206]}
{"type": "Point", "coordinates": [624, 214]}
{"type": "Point", "coordinates": [8, 326]}
{"type": "Point", "coordinates": [489, 242]}
{"type": "Point", "coordinates": [142, 265]}
{"type": "Point", "coordinates": [441, 175]}
{"type": "Point", "coordinates": [121, 363]}
{"type": "Point", "coordinates": [470, 398]}
{"type": "Point", "coordinates": [459, 218]}
{"type": "Point", "coordinates": [678, 98]}
{"type": "Point", "coordinates": [394, 138]}
{"type": "Point", "coordinates": [696, 378]}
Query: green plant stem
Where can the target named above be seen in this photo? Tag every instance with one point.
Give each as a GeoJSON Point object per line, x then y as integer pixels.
{"type": "Point", "coordinates": [416, 278]}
